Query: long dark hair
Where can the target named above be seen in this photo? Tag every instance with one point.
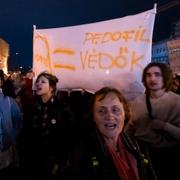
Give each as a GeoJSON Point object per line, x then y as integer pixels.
{"type": "Point", "coordinates": [167, 80]}
{"type": "Point", "coordinates": [7, 85]}
{"type": "Point", "coordinates": [166, 74]}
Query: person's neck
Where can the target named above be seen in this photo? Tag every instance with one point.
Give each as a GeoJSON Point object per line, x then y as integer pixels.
{"type": "Point", "coordinates": [112, 142]}
{"type": "Point", "coordinates": [45, 98]}
{"type": "Point", "coordinates": [157, 94]}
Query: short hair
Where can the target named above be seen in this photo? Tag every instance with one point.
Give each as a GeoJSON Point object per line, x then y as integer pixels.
{"type": "Point", "coordinates": [51, 78]}
{"type": "Point", "coordinates": [166, 74]}
{"type": "Point", "coordinates": [103, 92]}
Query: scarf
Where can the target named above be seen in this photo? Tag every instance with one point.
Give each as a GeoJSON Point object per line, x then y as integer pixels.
{"type": "Point", "coordinates": [124, 161]}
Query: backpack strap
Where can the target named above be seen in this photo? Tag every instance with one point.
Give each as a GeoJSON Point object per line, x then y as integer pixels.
{"type": "Point", "coordinates": [149, 107]}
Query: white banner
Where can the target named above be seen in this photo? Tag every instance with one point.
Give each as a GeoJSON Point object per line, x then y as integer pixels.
{"type": "Point", "coordinates": [91, 56]}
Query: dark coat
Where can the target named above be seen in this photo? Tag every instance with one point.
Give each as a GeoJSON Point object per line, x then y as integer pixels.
{"type": "Point", "coordinates": [51, 135]}
{"type": "Point", "coordinates": [90, 160]}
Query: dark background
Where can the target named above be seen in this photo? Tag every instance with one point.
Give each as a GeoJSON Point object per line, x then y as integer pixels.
{"type": "Point", "coordinates": [17, 18]}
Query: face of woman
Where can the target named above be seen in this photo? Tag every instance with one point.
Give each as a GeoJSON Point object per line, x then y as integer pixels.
{"type": "Point", "coordinates": [109, 115]}
{"type": "Point", "coordinates": [42, 87]}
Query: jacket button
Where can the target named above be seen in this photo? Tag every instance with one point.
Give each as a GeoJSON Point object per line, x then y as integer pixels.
{"type": "Point", "coordinates": [53, 121]}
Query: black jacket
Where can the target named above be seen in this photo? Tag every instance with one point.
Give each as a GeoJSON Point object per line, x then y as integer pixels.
{"type": "Point", "coordinates": [52, 127]}
{"type": "Point", "coordinates": [90, 160]}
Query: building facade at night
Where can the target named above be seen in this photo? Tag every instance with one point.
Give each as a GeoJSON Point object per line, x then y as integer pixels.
{"type": "Point", "coordinates": [4, 54]}
{"type": "Point", "coordinates": [160, 52]}
{"type": "Point", "coordinates": [168, 51]}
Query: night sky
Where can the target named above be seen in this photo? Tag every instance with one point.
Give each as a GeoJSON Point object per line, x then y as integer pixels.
{"type": "Point", "coordinates": [17, 18]}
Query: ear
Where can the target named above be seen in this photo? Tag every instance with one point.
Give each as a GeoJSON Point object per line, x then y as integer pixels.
{"type": "Point", "coordinates": [51, 89]}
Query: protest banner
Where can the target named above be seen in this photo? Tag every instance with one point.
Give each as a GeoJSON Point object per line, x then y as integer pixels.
{"type": "Point", "coordinates": [91, 56]}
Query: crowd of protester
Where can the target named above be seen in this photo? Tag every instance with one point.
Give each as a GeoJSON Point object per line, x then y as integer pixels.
{"type": "Point", "coordinates": [78, 135]}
